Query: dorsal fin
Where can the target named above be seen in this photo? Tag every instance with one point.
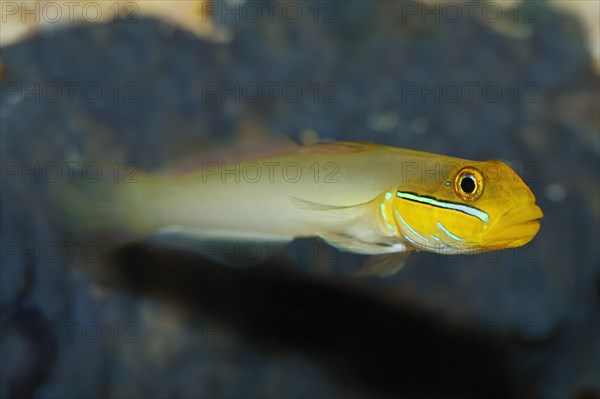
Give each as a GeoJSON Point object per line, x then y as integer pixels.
{"type": "Point", "coordinates": [340, 147]}
{"type": "Point", "coordinates": [258, 147]}
{"type": "Point", "coordinates": [239, 150]}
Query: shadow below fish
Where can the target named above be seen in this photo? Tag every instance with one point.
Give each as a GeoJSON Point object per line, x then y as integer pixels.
{"type": "Point", "coordinates": [363, 341]}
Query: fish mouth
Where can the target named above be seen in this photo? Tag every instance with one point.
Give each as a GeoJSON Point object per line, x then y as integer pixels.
{"type": "Point", "coordinates": [516, 227]}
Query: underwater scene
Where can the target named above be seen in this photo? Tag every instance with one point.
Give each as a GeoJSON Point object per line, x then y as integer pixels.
{"type": "Point", "coordinates": [299, 199]}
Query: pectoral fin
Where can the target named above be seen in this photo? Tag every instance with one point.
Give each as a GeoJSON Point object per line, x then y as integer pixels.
{"type": "Point", "coordinates": [349, 227]}
{"type": "Point", "coordinates": [350, 243]}
{"type": "Point", "coordinates": [333, 212]}
{"type": "Point", "coordinates": [384, 265]}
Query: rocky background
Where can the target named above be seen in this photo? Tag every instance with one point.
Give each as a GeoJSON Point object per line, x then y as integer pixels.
{"type": "Point", "coordinates": [153, 322]}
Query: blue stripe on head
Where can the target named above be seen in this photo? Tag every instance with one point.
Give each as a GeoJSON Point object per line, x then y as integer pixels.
{"type": "Point", "coordinates": [466, 209]}
{"type": "Point", "coordinates": [448, 233]}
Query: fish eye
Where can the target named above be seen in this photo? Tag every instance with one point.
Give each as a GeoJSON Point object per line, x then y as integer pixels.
{"type": "Point", "coordinates": [468, 184]}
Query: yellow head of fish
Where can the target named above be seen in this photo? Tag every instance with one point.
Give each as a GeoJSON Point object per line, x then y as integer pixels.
{"type": "Point", "coordinates": [465, 206]}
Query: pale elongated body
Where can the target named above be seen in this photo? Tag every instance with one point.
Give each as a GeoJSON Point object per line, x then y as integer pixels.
{"type": "Point", "coordinates": [275, 198]}
{"type": "Point", "coordinates": [361, 197]}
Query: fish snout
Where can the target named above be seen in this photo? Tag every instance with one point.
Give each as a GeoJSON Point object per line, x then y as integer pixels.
{"type": "Point", "coordinates": [523, 214]}
{"type": "Point", "coordinates": [515, 228]}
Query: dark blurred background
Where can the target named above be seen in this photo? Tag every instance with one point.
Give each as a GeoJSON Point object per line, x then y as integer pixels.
{"type": "Point", "coordinates": [517, 82]}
